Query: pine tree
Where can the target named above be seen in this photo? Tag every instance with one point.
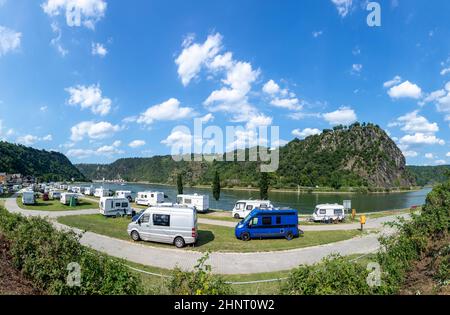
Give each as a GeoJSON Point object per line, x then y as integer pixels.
{"type": "Point", "coordinates": [264, 186]}
{"type": "Point", "coordinates": [216, 186]}
{"type": "Point", "coordinates": [180, 184]}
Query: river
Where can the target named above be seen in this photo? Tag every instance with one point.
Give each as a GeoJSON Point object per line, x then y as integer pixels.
{"type": "Point", "coordinates": [305, 202]}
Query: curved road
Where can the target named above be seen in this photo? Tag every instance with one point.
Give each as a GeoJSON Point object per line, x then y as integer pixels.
{"type": "Point", "coordinates": [222, 263]}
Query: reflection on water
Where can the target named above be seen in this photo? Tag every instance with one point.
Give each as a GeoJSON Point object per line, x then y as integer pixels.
{"type": "Point", "coordinates": [305, 203]}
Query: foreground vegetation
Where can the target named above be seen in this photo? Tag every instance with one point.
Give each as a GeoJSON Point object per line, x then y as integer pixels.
{"type": "Point", "coordinates": [56, 205]}
{"type": "Point", "coordinates": [211, 238]}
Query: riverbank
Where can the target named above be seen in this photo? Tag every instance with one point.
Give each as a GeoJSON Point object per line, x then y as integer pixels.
{"type": "Point", "coordinates": [302, 190]}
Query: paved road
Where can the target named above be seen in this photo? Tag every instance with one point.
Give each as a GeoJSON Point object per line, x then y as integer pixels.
{"type": "Point", "coordinates": [222, 263]}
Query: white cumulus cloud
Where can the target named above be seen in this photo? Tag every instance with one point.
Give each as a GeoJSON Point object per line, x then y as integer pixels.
{"type": "Point", "coordinates": [405, 90]}
{"type": "Point", "coordinates": [9, 40]}
{"type": "Point", "coordinates": [99, 50]}
{"type": "Point", "coordinates": [302, 134]}
{"type": "Point", "coordinates": [343, 6]}
{"type": "Point", "coordinates": [136, 143]}
{"type": "Point", "coordinates": [96, 131]}
{"type": "Point", "coordinates": [89, 97]}
{"type": "Point", "coordinates": [342, 116]}
{"type": "Point", "coordinates": [168, 110]}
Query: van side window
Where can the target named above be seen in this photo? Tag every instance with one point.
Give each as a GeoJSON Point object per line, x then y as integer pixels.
{"type": "Point", "coordinates": [323, 211]}
{"type": "Point", "coordinates": [249, 207]}
{"type": "Point", "coordinates": [254, 221]}
{"type": "Point", "coordinates": [240, 206]}
{"type": "Point", "coordinates": [152, 195]}
{"type": "Point", "coordinates": [188, 201]}
{"type": "Point", "coordinates": [124, 204]}
{"type": "Point", "coordinates": [278, 220]}
{"type": "Point", "coordinates": [267, 220]}
{"type": "Point", "coordinates": [338, 211]}
{"type": "Point", "coordinates": [161, 220]}
{"type": "Point", "coordinates": [145, 218]}
{"type": "Point", "coordinates": [117, 204]}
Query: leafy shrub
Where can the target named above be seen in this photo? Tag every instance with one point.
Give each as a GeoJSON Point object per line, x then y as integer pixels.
{"type": "Point", "coordinates": [199, 282]}
{"type": "Point", "coordinates": [43, 254]}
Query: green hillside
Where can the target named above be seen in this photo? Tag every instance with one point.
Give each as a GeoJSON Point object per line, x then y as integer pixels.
{"type": "Point", "coordinates": [429, 175]}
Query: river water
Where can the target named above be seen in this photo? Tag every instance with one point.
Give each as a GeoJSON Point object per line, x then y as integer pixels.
{"type": "Point", "coordinates": [304, 202]}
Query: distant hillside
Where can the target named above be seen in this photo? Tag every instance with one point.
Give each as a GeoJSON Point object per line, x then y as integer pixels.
{"type": "Point", "coordinates": [429, 175]}
{"type": "Point", "coordinates": [354, 156]}
{"type": "Point", "coordinates": [41, 164]}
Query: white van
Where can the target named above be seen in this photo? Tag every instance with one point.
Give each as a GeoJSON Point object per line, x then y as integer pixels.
{"type": "Point", "coordinates": [115, 207]}
{"type": "Point", "coordinates": [101, 192]}
{"type": "Point", "coordinates": [149, 198]}
{"type": "Point", "coordinates": [88, 191]}
{"type": "Point", "coordinates": [172, 225]}
{"type": "Point", "coordinates": [242, 208]}
{"type": "Point", "coordinates": [54, 194]}
{"type": "Point", "coordinates": [28, 198]}
{"type": "Point", "coordinates": [124, 194]}
{"type": "Point", "coordinates": [328, 212]}
{"type": "Point", "coordinates": [65, 198]}
{"type": "Point", "coordinates": [200, 202]}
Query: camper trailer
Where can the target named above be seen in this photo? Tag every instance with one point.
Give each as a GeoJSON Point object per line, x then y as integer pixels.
{"type": "Point", "coordinates": [149, 198]}
{"type": "Point", "coordinates": [54, 194]}
{"type": "Point", "coordinates": [65, 198]}
{"type": "Point", "coordinates": [124, 194]}
{"type": "Point", "coordinates": [88, 191]}
{"type": "Point", "coordinates": [242, 208]}
{"type": "Point", "coordinates": [28, 198]}
{"type": "Point", "coordinates": [76, 190]}
{"type": "Point", "coordinates": [200, 202]}
{"type": "Point", "coordinates": [172, 225]}
{"type": "Point", "coordinates": [328, 213]}
{"type": "Point", "coordinates": [101, 192]}
{"type": "Point", "coordinates": [115, 207]}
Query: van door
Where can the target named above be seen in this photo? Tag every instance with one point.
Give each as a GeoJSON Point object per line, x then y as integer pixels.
{"type": "Point", "coordinates": [161, 228]}
{"type": "Point", "coordinates": [145, 227]}
{"type": "Point", "coordinates": [247, 210]}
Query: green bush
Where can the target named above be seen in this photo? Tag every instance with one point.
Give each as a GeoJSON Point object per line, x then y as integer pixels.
{"type": "Point", "coordinates": [43, 254]}
{"type": "Point", "coordinates": [199, 282]}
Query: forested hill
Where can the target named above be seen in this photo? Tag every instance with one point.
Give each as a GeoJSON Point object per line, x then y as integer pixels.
{"type": "Point", "coordinates": [354, 156]}
{"type": "Point", "coordinates": [44, 165]}
{"type": "Point", "coordinates": [429, 175]}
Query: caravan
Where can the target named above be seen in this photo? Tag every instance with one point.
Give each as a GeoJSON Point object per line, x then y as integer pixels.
{"type": "Point", "coordinates": [124, 194]}
{"type": "Point", "coordinates": [242, 208]}
{"type": "Point", "coordinates": [28, 198]}
{"type": "Point", "coordinates": [101, 192]}
{"type": "Point", "coordinates": [149, 198]}
{"type": "Point", "coordinates": [88, 191]}
{"type": "Point", "coordinates": [172, 225]}
{"type": "Point", "coordinates": [115, 207]}
{"type": "Point", "coordinates": [329, 213]}
{"type": "Point", "coordinates": [199, 202]}
{"type": "Point", "coordinates": [54, 194]}
{"type": "Point", "coordinates": [65, 198]}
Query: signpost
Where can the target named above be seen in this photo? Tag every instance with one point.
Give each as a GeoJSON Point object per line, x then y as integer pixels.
{"type": "Point", "coordinates": [347, 205]}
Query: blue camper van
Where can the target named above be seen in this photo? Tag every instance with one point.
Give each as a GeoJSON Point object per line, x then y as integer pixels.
{"type": "Point", "coordinates": [268, 224]}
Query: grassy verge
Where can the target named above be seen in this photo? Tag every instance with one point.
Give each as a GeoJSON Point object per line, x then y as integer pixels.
{"type": "Point", "coordinates": [211, 238]}
{"type": "Point", "coordinates": [56, 205]}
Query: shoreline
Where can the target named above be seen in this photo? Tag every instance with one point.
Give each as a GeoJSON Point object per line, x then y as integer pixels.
{"type": "Point", "coordinates": [274, 190]}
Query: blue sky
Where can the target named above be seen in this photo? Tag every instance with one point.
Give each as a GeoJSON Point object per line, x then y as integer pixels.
{"type": "Point", "coordinates": [103, 79]}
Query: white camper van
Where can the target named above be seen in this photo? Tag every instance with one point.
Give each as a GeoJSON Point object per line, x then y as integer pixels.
{"type": "Point", "coordinates": [172, 225]}
{"type": "Point", "coordinates": [101, 192]}
{"type": "Point", "coordinates": [200, 202]}
{"type": "Point", "coordinates": [242, 208]}
{"type": "Point", "coordinates": [115, 207]}
{"type": "Point", "coordinates": [65, 198]}
{"type": "Point", "coordinates": [124, 194]}
{"type": "Point", "coordinates": [149, 198]}
{"type": "Point", "coordinates": [54, 194]}
{"type": "Point", "coordinates": [89, 191]}
{"type": "Point", "coordinates": [329, 212]}
{"type": "Point", "coordinates": [28, 198]}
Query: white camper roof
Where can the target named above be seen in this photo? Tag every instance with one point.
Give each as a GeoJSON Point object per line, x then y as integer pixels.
{"type": "Point", "coordinates": [330, 206]}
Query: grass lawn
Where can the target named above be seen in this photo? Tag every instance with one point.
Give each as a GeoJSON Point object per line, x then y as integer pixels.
{"type": "Point", "coordinates": [212, 238]}
{"type": "Point", "coordinates": [56, 205]}
{"type": "Point", "coordinates": [2, 203]}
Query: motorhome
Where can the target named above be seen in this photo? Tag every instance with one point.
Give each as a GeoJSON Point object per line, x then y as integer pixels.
{"type": "Point", "coordinates": [200, 202]}
{"type": "Point", "coordinates": [149, 198]}
{"type": "Point", "coordinates": [172, 225]}
{"type": "Point", "coordinates": [54, 194]}
{"type": "Point", "coordinates": [101, 192]}
{"type": "Point", "coordinates": [76, 190]}
{"type": "Point", "coordinates": [242, 208]}
{"type": "Point", "coordinates": [64, 187]}
{"type": "Point", "coordinates": [89, 191]}
{"type": "Point", "coordinates": [28, 198]}
{"type": "Point", "coordinates": [124, 194]}
{"type": "Point", "coordinates": [273, 223]}
{"type": "Point", "coordinates": [65, 198]}
{"type": "Point", "coordinates": [328, 213]}
{"type": "Point", "coordinates": [115, 207]}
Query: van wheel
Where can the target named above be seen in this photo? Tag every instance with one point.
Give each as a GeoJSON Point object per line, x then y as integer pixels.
{"type": "Point", "coordinates": [179, 242]}
{"type": "Point", "coordinates": [289, 236]}
{"type": "Point", "coordinates": [236, 216]}
{"type": "Point", "coordinates": [135, 236]}
{"type": "Point", "coordinates": [245, 236]}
